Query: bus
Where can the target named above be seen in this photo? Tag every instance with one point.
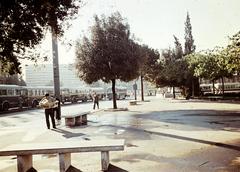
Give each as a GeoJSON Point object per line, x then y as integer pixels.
{"type": "Point", "coordinates": [121, 93]}
{"type": "Point", "coordinates": [35, 94]}
{"type": "Point", "coordinates": [229, 87]}
{"type": "Point", "coordinates": [11, 97]}
{"type": "Point", "coordinates": [74, 94]}
{"type": "Point", "coordinates": [14, 96]}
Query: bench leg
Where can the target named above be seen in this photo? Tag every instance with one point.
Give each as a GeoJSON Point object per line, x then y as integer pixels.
{"type": "Point", "coordinates": [105, 160]}
{"type": "Point", "coordinates": [24, 162]}
{"type": "Point", "coordinates": [64, 161]}
{"type": "Point", "coordinates": [78, 120]}
{"type": "Point", "coordinates": [70, 122]}
{"type": "Point", "coordinates": [84, 119]}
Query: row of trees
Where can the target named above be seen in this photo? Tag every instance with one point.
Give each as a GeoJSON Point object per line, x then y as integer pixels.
{"type": "Point", "coordinates": [183, 69]}
{"type": "Point", "coordinates": [219, 63]}
{"type": "Point", "coordinates": [111, 54]}
{"type": "Point", "coordinates": [173, 69]}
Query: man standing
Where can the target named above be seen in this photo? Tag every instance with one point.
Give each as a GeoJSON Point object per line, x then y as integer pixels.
{"type": "Point", "coordinates": [47, 103]}
{"type": "Point", "coordinates": [95, 100]}
{"type": "Point", "coordinates": [56, 111]}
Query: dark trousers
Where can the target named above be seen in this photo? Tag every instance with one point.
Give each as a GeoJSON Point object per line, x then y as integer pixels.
{"type": "Point", "coordinates": [95, 103]}
{"type": "Point", "coordinates": [49, 112]}
{"type": "Point", "coordinates": [57, 112]}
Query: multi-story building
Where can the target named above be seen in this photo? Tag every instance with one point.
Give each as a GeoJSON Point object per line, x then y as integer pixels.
{"type": "Point", "coordinates": [42, 75]}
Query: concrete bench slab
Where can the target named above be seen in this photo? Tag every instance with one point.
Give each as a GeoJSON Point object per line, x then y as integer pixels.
{"type": "Point", "coordinates": [76, 119]}
{"type": "Point", "coordinates": [24, 152]}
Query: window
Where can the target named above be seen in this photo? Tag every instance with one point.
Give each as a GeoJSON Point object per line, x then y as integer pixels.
{"type": "Point", "coordinates": [3, 92]}
{"type": "Point", "coordinates": [18, 92]}
{"type": "Point", "coordinates": [10, 92]}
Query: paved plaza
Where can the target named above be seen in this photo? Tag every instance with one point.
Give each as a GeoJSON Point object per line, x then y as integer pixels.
{"type": "Point", "coordinates": [161, 135]}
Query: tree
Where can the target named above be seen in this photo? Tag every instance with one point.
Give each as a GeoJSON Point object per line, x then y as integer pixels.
{"type": "Point", "coordinates": [12, 80]}
{"type": "Point", "coordinates": [189, 41]}
{"type": "Point", "coordinates": [188, 49]}
{"type": "Point", "coordinates": [172, 72]}
{"type": "Point", "coordinates": [203, 65]}
{"type": "Point", "coordinates": [232, 52]}
{"type": "Point", "coordinates": [211, 65]}
{"type": "Point", "coordinates": [22, 26]}
{"type": "Point", "coordinates": [149, 62]}
{"type": "Point", "coordinates": [109, 54]}
{"type": "Point", "coordinates": [178, 52]}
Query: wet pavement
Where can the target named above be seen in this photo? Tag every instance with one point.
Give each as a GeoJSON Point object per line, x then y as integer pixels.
{"type": "Point", "coordinates": [161, 135]}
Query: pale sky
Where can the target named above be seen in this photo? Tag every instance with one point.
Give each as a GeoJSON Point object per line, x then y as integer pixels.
{"type": "Point", "coordinates": [155, 22]}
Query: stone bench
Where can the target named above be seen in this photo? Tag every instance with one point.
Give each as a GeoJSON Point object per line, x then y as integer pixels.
{"type": "Point", "coordinates": [77, 119]}
{"type": "Point", "coordinates": [133, 102]}
{"type": "Point", "coordinates": [25, 152]}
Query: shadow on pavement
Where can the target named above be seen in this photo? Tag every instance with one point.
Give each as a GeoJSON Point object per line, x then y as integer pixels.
{"type": "Point", "coordinates": [113, 168]}
{"type": "Point", "coordinates": [233, 147]}
{"type": "Point", "coordinates": [68, 134]}
{"type": "Point", "coordinates": [73, 169]}
{"type": "Point", "coordinates": [219, 144]}
{"type": "Point", "coordinates": [200, 118]}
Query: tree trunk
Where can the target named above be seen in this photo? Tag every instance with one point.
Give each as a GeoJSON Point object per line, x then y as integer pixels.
{"type": "Point", "coordinates": [174, 95]}
{"type": "Point", "coordinates": [193, 88]}
{"type": "Point", "coordinates": [222, 86]}
{"type": "Point", "coordinates": [56, 77]}
{"type": "Point", "coordinates": [142, 88]}
{"type": "Point", "coordinates": [213, 85]}
{"type": "Point", "coordinates": [114, 94]}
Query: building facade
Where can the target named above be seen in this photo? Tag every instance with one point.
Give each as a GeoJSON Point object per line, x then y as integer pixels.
{"type": "Point", "coordinates": [42, 75]}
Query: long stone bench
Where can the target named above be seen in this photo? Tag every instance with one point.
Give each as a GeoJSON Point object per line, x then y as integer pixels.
{"type": "Point", "coordinates": [25, 152]}
{"type": "Point", "coordinates": [76, 119]}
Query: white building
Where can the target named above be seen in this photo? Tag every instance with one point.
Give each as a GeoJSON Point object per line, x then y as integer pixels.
{"type": "Point", "coordinates": [42, 75]}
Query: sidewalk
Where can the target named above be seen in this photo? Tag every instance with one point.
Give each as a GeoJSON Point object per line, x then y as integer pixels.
{"type": "Point", "coordinates": [162, 135]}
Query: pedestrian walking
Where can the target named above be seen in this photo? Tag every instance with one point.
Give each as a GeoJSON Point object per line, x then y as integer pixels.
{"type": "Point", "coordinates": [95, 100]}
{"type": "Point", "coordinates": [47, 103]}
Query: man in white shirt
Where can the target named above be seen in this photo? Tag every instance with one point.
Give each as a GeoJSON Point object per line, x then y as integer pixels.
{"type": "Point", "coordinates": [47, 103]}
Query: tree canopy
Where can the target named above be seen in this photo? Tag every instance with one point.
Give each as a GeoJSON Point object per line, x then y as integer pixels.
{"type": "Point", "coordinates": [22, 25]}
{"type": "Point", "coordinates": [109, 54]}
{"type": "Point", "coordinates": [189, 41]}
{"type": "Point", "coordinates": [12, 80]}
{"type": "Point", "coordinates": [232, 52]}
{"type": "Point", "coordinates": [149, 62]}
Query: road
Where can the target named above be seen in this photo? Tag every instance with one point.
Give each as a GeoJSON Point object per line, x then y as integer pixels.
{"type": "Point", "coordinates": [160, 135]}
{"type": "Point", "coordinates": [36, 117]}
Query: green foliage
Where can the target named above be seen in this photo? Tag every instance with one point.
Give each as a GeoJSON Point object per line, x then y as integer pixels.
{"type": "Point", "coordinates": [109, 54]}
{"type": "Point", "coordinates": [211, 64]}
{"type": "Point", "coordinates": [189, 41]}
{"type": "Point", "coordinates": [199, 64]}
{"type": "Point", "coordinates": [23, 23]}
{"type": "Point", "coordinates": [173, 74]}
{"type": "Point", "coordinates": [178, 52]}
{"type": "Point", "coordinates": [149, 62]}
{"type": "Point", "coordinates": [12, 80]}
{"type": "Point", "coordinates": [232, 52]}
{"type": "Point", "coordinates": [171, 71]}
